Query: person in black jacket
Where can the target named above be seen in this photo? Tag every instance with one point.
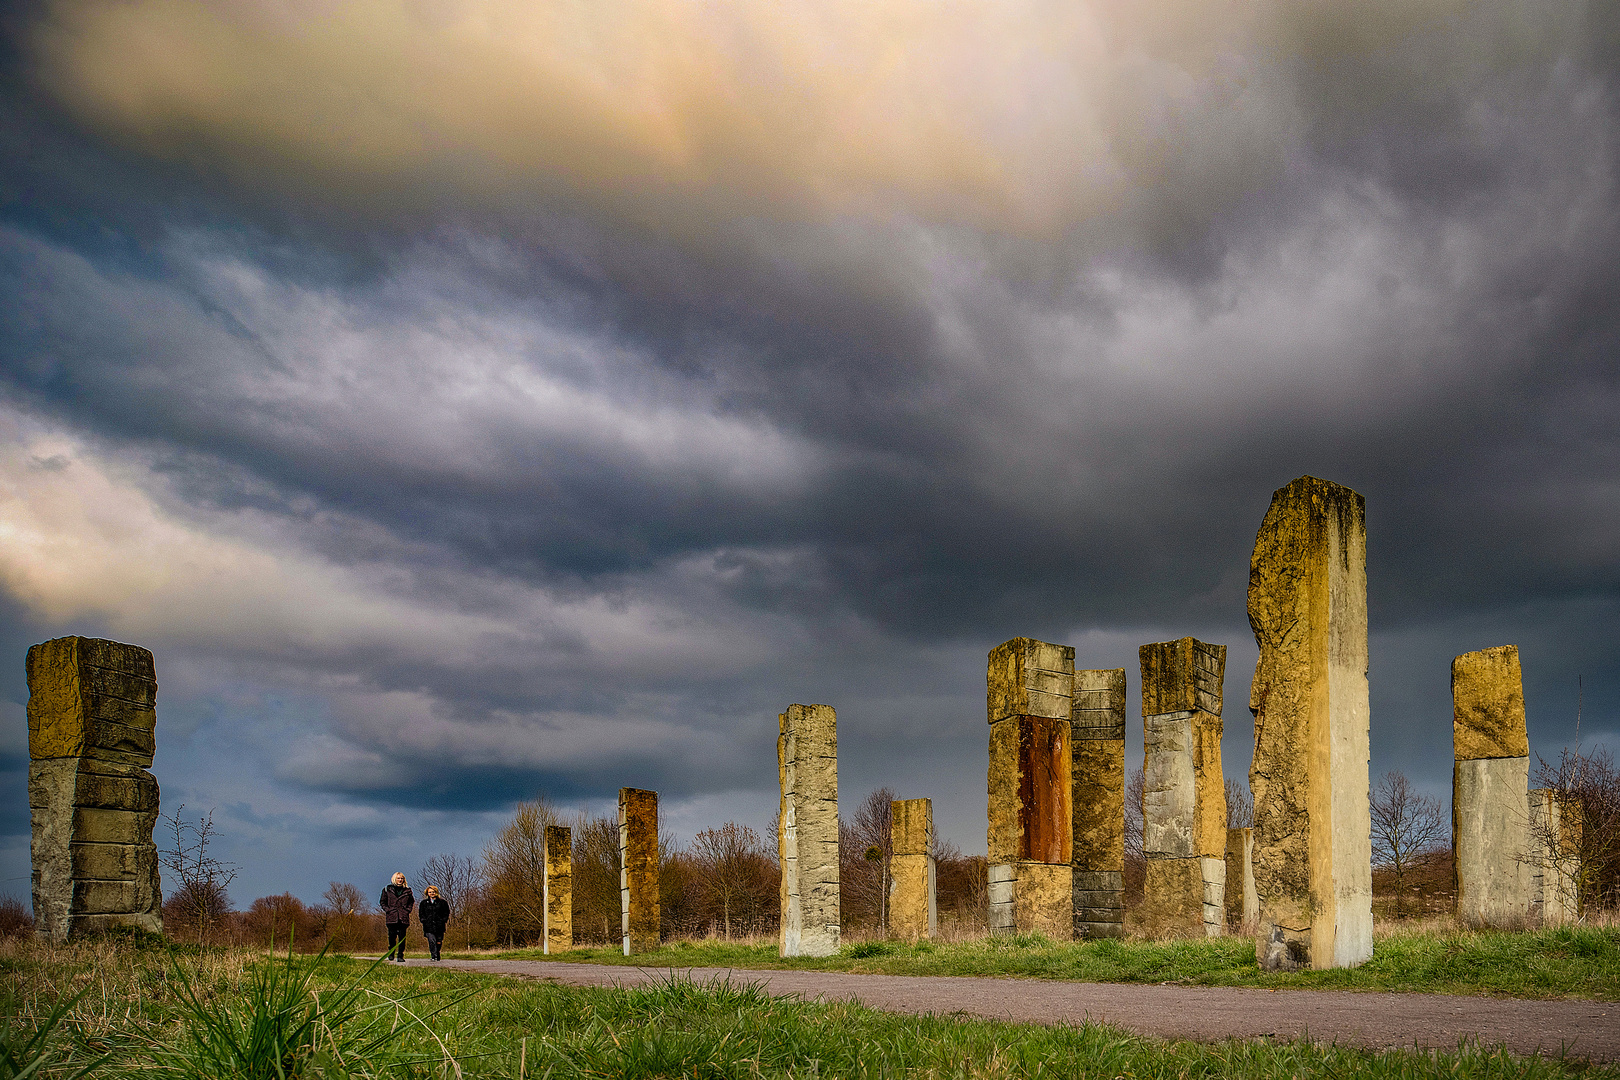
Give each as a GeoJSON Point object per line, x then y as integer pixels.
{"type": "Point", "coordinates": [397, 901]}
{"type": "Point", "coordinates": [434, 913]}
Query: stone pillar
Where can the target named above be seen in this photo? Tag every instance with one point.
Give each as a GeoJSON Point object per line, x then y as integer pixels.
{"type": "Point", "coordinates": [1029, 699]}
{"type": "Point", "coordinates": [1242, 903]}
{"type": "Point", "coordinates": [1312, 821]}
{"type": "Point", "coordinates": [638, 873]}
{"type": "Point", "coordinates": [92, 724]}
{"type": "Point", "coordinates": [558, 902]}
{"type": "Point", "coordinates": [1555, 842]}
{"type": "Point", "coordinates": [913, 911]}
{"type": "Point", "coordinates": [1184, 792]}
{"type": "Point", "coordinates": [1490, 785]}
{"type": "Point", "coordinates": [1098, 740]}
{"type": "Point", "coordinates": [807, 829]}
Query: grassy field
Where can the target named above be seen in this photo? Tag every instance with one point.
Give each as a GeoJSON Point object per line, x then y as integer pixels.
{"type": "Point", "coordinates": [1574, 962]}
{"type": "Point", "coordinates": [147, 1012]}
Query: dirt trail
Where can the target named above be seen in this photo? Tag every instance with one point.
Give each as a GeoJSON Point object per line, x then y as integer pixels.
{"type": "Point", "coordinates": [1583, 1029]}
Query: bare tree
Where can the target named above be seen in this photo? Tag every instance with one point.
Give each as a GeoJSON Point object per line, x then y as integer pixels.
{"type": "Point", "coordinates": [515, 868]}
{"type": "Point", "coordinates": [1585, 849]}
{"type": "Point", "coordinates": [456, 877]}
{"type": "Point", "coordinates": [1406, 826]}
{"type": "Point", "coordinates": [865, 847]}
{"type": "Point", "coordinates": [1239, 805]}
{"type": "Point", "coordinates": [202, 898]}
{"type": "Point", "coordinates": [729, 858]}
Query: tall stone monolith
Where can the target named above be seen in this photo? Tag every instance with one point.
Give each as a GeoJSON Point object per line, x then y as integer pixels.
{"type": "Point", "coordinates": [558, 902]}
{"type": "Point", "coordinates": [1555, 869]}
{"type": "Point", "coordinates": [1029, 699]}
{"type": "Point", "coordinates": [92, 724]}
{"type": "Point", "coordinates": [913, 910]}
{"type": "Point", "coordinates": [1490, 788]}
{"type": "Point", "coordinates": [1312, 822]}
{"type": "Point", "coordinates": [1097, 735]}
{"type": "Point", "coordinates": [1242, 903]}
{"type": "Point", "coordinates": [807, 829]}
{"type": "Point", "coordinates": [638, 874]}
{"type": "Point", "coordinates": [1183, 791]}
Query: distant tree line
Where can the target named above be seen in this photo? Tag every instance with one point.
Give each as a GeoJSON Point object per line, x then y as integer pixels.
{"type": "Point", "coordinates": [726, 882]}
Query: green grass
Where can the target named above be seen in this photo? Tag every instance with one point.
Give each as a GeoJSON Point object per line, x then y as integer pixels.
{"type": "Point", "coordinates": [131, 1006]}
{"type": "Point", "coordinates": [1571, 962]}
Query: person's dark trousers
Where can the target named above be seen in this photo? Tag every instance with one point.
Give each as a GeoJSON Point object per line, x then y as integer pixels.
{"type": "Point", "coordinates": [396, 932]}
{"type": "Point", "coordinates": [433, 943]}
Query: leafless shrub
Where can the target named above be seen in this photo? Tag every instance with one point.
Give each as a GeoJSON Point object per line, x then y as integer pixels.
{"type": "Point", "coordinates": [201, 901]}
{"type": "Point", "coordinates": [1586, 785]}
{"type": "Point", "coordinates": [15, 919]}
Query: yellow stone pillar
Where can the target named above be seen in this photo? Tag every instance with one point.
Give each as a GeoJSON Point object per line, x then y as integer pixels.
{"type": "Point", "coordinates": [913, 911]}
{"type": "Point", "coordinates": [638, 874]}
{"type": "Point", "coordinates": [558, 902]}
{"type": "Point", "coordinates": [1184, 791]}
{"type": "Point", "coordinates": [92, 723]}
{"type": "Point", "coordinates": [1029, 700]}
{"type": "Point", "coordinates": [807, 830]}
{"type": "Point", "coordinates": [1098, 742]}
{"type": "Point", "coordinates": [1490, 789]}
{"type": "Point", "coordinates": [1312, 822]}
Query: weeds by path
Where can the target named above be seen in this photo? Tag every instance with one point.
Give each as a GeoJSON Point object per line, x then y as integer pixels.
{"type": "Point", "coordinates": [1571, 962]}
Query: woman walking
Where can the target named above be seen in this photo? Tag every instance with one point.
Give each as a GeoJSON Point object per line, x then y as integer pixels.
{"type": "Point", "coordinates": [397, 901]}
{"type": "Point", "coordinates": [434, 913]}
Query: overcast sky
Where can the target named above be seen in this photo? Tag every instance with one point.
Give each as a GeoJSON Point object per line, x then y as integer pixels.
{"type": "Point", "coordinates": [470, 400]}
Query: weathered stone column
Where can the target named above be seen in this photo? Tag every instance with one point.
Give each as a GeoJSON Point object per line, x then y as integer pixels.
{"type": "Point", "coordinates": [1029, 700]}
{"type": "Point", "coordinates": [1242, 903]}
{"type": "Point", "coordinates": [92, 724]}
{"type": "Point", "coordinates": [1184, 792]}
{"type": "Point", "coordinates": [1555, 841]}
{"type": "Point", "coordinates": [807, 829]}
{"type": "Point", "coordinates": [638, 874]}
{"type": "Point", "coordinates": [913, 912]}
{"type": "Point", "coordinates": [1098, 741]}
{"type": "Point", "coordinates": [1312, 822]}
{"type": "Point", "coordinates": [558, 933]}
{"type": "Point", "coordinates": [1490, 785]}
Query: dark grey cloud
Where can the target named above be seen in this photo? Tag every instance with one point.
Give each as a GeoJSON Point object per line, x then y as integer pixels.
{"type": "Point", "coordinates": [558, 498]}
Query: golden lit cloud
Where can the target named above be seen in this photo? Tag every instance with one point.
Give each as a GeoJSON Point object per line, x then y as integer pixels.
{"type": "Point", "coordinates": [1019, 114]}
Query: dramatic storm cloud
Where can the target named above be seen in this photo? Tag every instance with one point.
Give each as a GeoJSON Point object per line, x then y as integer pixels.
{"type": "Point", "coordinates": [474, 400]}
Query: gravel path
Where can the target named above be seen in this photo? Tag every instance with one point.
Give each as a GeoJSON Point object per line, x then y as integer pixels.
{"type": "Point", "coordinates": [1584, 1029]}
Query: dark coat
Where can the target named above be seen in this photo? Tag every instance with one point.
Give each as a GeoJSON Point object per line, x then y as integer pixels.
{"type": "Point", "coordinates": [397, 902]}
{"type": "Point", "coordinates": [434, 913]}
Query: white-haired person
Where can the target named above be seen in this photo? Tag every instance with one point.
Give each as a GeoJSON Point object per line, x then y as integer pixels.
{"type": "Point", "coordinates": [396, 902]}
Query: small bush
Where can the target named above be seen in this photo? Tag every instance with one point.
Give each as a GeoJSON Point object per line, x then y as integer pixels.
{"type": "Point", "coordinates": [864, 949]}
{"type": "Point", "coordinates": [15, 919]}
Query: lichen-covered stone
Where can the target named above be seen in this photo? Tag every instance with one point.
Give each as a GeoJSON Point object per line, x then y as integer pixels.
{"type": "Point", "coordinates": [638, 876]}
{"type": "Point", "coordinates": [913, 910]}
{"type": "Point", "coordinates": [1097, 739]}
{"type": "Point", "coordinates": [807, 830]}
{"type": "Point", "coordinates": [1030, 897]}
{"type": "Point", "coordinates": [91, 727]}
{"type": "Point", "coordinates": [1487, 696]}
{"type": "Point", "coordinates": [1184, 791]}
{"type": "Point", "coordinates": [91, 698]}
{"type": "Point", "coordinates": [1242, 903]}
{"type": "Point", "coordinates": [1313, 829]}
{"type": "Point", "coordinates": [1030, 678]}
{"type": "Point", "coordinates": [558, 901]}
{"type": "Point", "coordinates": [1490, 821]}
